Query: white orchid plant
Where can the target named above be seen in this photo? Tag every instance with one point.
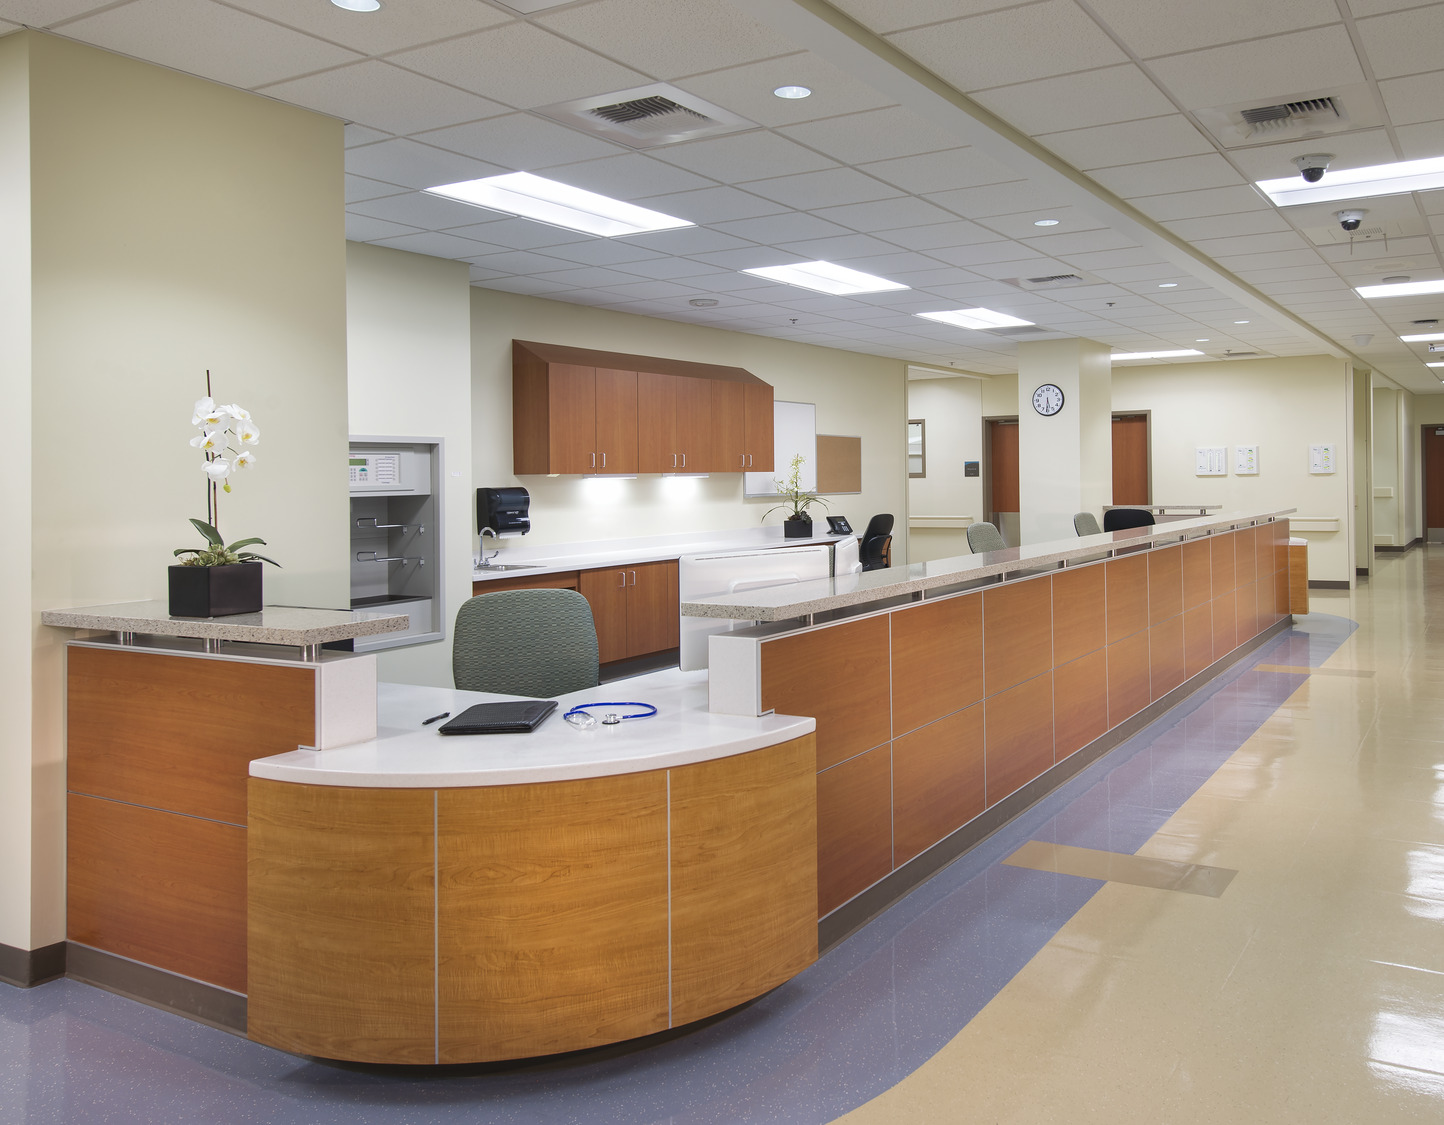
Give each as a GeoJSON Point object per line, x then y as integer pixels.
{"type": "Point", "coordinates": [227, 435]}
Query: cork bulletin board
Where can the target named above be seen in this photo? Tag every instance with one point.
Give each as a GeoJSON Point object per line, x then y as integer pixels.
{"type": "Point", "coordinates": [839, 464]}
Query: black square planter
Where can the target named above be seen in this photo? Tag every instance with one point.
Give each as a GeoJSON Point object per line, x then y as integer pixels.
{"type": "Point", "coordinates": [215, 591]}
{"type": "Point", "coordinates": [797, 529]}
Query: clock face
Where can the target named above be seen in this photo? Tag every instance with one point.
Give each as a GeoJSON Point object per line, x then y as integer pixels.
{"type": "Point", "coordinates": [1048, 400]}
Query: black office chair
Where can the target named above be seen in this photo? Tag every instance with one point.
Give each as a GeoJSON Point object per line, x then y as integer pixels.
{"type": "Point", "coordinates": [875, 549]}
{"type": "Point", "coordinates": [1117, 519]}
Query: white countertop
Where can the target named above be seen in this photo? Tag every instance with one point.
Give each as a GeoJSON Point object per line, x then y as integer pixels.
{"type": "Point", "coordinates": [274, 625]}
{"type": "Point", "coordinates": [404, 754]}
{"type": "Point", "coordinates": [781, 603]}
{"type": "Point", "coordinates": [557, 558]}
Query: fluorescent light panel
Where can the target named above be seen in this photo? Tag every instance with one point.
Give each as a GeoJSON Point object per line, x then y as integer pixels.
{"type": "Point", "coordinates": [825, 277]}
{"type": "Point", "coordinates": [1403, 289]}
{"type": "Point", "coordinates": [1178, 354]}
{"type": "Point", "coordinates": [979, 320]}
{"type": "Point", "coordinates": [1422, 337]}
{"type": "Point", "coordinates": [1434, 365]}
{"type": "Point", "coordinates": [558, 205]}
{"type": "Point", "coordinates": [1357, 183]}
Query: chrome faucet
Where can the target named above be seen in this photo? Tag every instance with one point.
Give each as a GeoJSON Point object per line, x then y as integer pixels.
{"type": "Point", "coordinates": [485, 558]}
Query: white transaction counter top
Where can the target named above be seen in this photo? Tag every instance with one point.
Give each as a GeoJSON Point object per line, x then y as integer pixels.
{"type": "Point", "coordinates": [404, 754]}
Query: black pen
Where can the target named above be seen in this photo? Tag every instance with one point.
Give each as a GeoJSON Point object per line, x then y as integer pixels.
{"type": "Point", "coordinates": [435, 718]}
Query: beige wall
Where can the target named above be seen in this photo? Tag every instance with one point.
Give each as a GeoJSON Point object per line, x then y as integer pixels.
{"type": "Point", "coordinates": [176, 226]}
{"type": "Point", "coordinates": [953, 411]}
{"type": "Point", "coordinates": [408, 340]}
{"type": "Point", "coordinates": [855, 395]}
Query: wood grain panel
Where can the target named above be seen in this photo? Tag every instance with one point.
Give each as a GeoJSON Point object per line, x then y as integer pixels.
{"type": "Point", "coordinates": [1265, 560]}
{"type": "Point", "coordinates": [1283, 594]}
{"type": "Point", "coordinates": [854, 827]}
{"type": "Point", "coordinates": [159, 888]}
{"type": "Point", "coordinates": [653, 621]}
{"type": "Point", "coordinates": [565, 581]}
{"type": "Point", "coordinates": [1197, 573]}
{"type": "Point", "coordinates": [839, 463]}
{"type": "Point", "coordinates": [530, 420]}
{"type": "Point", "coordinates": [937, 662]}
{"type": "Point", "coordinates": [1018, 736]}
{"type": "Point", "coordinates": [1080, 702]}
{"type": "Point", "coordinates": [616, 422]}
{"type": "Point", "coordinates": [1244, 563]}
{"type": "Point", "coordinates": [341, 928]}
{"type": "Point", "coordinates": [832, 675]}
{"type": "Point", "coordinates": [1080, 623]}
{"type": "Point", "coordinates": [656, 423]}
{"type": "Point", "coordinates": [1225, 627]}
{"type": "Point", "coordinates": [1127, 596]}
{"type": "Point", "coordinates": [1245, 613]}
{"type": "Point", "coordinates": [1168, 666]}
{"type": "Point", "coordinates": [606, 592]}
{"type": "Point", "coordinates": [744, 876]}
{"type": "Point", "coordinates": [179, 732]}
{"type": "Point", "coordinates": [1017, 633]}
{"type": "Point", "coordinates": [1298, 578]}
{"type": "Point", "coordinates": [759, 405]}
{"type": "Point", "coordinates": [694, 427]}
{"type": "Point", "coordinates": [1225, 573]}
{"type": "Point", "coordinates": [552, 923]}
{"type": "Point", "coordinates": [1165, 583]}
{"type": "Point", "coordinates": [1128, 678]}
{"type": "Point", "coordinates": [729, 426]}
{"type": "Point", "coordinates": [1197, 638]}
{"type": "Point", "coordinates": [572, 406]}
{"type": "Point", "coordinates": [937, 780]}
{"type": "Point", "coordinates": [1130, 459]}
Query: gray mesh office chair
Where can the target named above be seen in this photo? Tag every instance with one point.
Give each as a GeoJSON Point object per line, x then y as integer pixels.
{"type": "Point", "coordinates": [984, 537]}
{"type": "Point", "coordinates": [1086, 523]}
{"type": "Point", "coordinates": [539, 643]}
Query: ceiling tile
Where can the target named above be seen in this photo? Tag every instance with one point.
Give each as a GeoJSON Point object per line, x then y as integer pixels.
{"type": "Point", "coordinates": [1263, 70]}
{"type": "Point", "coordinates": [875, 134]}
{"type": "Point", "coordinates": [998, 199]}
{"type": "Point", "coordinates": [359, 188]}
{"type": "Point", "coordinates": [989, 252]}
{"type": "Point", "coordinates": [1203, 203]}
{"type": "Point", "coordinates": [1077, 101]}
{"type": "Point", "coordinates": [1414, 99]}
{"type": "Point", "coordinates": [520, 65]}
{"type": "Point", "coordinates": [652, 290]}
{"type": "Point", "coordinates": [521, 141]}
{"type": "Point", "coordinates": [833, 187]}
{"type": "Point", "coordinates": [362, 135]}
{"type": "Point", "coordinates": [429, 212]}
{"type": "Point", "coordinates": [1403, 42]}
{"type": "Point", "coordinates": [47, 13]}
{"type": "Point", "coordinates": [1375, 7]}
{"type": "Point", "coordinates": [747, 90]}
{"type": "Point", "coordinates": [885, 214]}
{"type": "Point", "coordinates": [594, 277]}
{"type": "Point", "coordinates": [207, 39]}
{"type": "Point", "coordinates": [1351, 150]}
{"type": "Point", "coordinates": [1237, 262]}
{"type": "Point", "coordinates": [1421, 140]}
{"type": "Point", "coordinates": [690, 241]}
{"type": "Point", "coordinates": [435, 244]}
{"type": "Point", "coordinates": [940, 171]}
{"type": "Point", "coordinates": [533, 286]}
{"type": "Point", "coordinates": [998, 48]}
{"type": "Point", "coordinates": [1024, 225]}
{"type": "Point", "coordinates": [629, 176]}
{"type": "Point", "coordinates": [714, 205]}
{"type": "Point", "coordinates": [515, 233]}
{"type": "Point", "coordinates": [669, 38]}
{"type": "Point", "coordinates": [789, 227]}
{"type": "Point", "coordinates": [1252, 243]}
{"type": "Point", "coordinates": [1111, 259]}
{"type": "Point", "coordinates": [1076, 242]}
{"type": "Point", "coordinates": [893, 15]}
{"type": "Point", "coordinates": [384, 96]}
{"type": "Point", "coordinates": [1183, 173]}
{"type": "Point", "coordinates": [956, 233]}
{"type": "Point", "coordinates": [600, 252]}
{"type": "Point", "coordinates": [392, 28]}
{"type": "Point", "coordinates": [362, 228]}
{"type": "Point", "coordinates": [840, 247]}
{"type": "Point", "coordinates": [744, 156]}
{"type": "Point", "coordinates": [1162, 27]}
{"type": "Point", "coordinates": [402, 161]}
{"type": "Point", "coordinates": [519, 261]}
{"type": "Point", "coordinates": [1105, 145]}
{"type": "Point", "coordinates": [665, 269]}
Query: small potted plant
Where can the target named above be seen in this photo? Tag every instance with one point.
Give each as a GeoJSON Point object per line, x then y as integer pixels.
{"type": "Point", "coordinates": [218, 580]}
{"type": "Point", "coordinates": [795, 502]}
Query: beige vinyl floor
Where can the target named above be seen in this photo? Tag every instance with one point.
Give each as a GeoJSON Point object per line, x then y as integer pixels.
{"type": "Point", "coordinates": [1311, 989]}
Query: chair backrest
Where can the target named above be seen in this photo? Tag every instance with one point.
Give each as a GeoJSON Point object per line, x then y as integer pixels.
{"type": "Point", "coordinates": [983, 537]}
{"type": "Point", "coordinates": [1117, 519]}
{"type": "Point", "coordinates": [1086, 523]}
{"type": "Point", "coordinates": [874, 550]}
{"type": "Point", "coordinates": [540, 643]}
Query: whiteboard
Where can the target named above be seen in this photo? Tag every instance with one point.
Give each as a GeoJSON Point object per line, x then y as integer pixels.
{"type": "Point", "coordinates": [794, 430]}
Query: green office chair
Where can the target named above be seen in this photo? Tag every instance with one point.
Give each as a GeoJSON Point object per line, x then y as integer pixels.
{"type": "Point", "coordinates": [1086, 523]}
{"type": "Point", "coordinates": [539, 643]}
{"type": "Point", "coordinates": [984, 537]}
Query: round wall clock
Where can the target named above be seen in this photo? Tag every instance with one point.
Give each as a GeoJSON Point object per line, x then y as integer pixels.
{"type": "Point", "coordinates": [1048, 399]}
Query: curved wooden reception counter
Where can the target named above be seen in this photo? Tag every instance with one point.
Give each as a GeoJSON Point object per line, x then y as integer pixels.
{"type": "Point", "coordinates": [429, 899]}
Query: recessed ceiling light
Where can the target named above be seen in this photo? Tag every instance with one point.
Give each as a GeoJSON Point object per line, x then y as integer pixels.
{"type": "Point", "coordinates": [1046, 222]}
{"type": "Point", "coordinates": [792, 92]}
{"type": "Point", "coordinates": [1422, 337]}
{"type": "Point", "coordinates": [1203, 340]}
{"type": "Point", "coordinates": [1358, 183]}
{"type": "Point", "coordinates": [1168, 285]}
{"type": "Point", "coordinates": [1396, 279]}
{"type": "Point", "coordinates": [703, 302]}
{"type": "Point", "coordinates": [825, 277]}
{"type": "Point", "coordinates": [1155, 355]}
{"type": "Point", "coordinates": [1240, 322]}
{"type": "Point", "coordinates": [1402, 289]}
{"type": "Point", "coordinates": [979, 320]}
{"type": "Point", "coordinates": [358, 5]}
{"type": "Point", "coordinates": [558, 205]}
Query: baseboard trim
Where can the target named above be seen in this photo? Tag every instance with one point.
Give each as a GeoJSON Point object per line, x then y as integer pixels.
{"type": "Point", "coordinates": [25, 968]}
{"type": "Point", "coordinates": [1330, 583]}
{"type": "Point", "coordinates": [858, 911]}
{"type": "Point", "coordinates": [1396, 549]}
{"type": "Point", "coordinates": [171, 992]}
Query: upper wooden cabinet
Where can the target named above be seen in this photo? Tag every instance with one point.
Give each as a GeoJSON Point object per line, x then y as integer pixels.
{"type": "Point", "coordinates": [575, 410]}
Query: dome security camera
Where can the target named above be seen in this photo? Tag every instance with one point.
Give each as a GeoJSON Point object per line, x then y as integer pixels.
{"type": "Point", "coordinates": [1313, 165]}
{"type": "Point", "coordinates": [1351, 219]}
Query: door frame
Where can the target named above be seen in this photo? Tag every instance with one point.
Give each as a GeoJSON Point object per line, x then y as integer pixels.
{"type": "Point", "coordinates": [1147, 449]}
{"type": "Point", "coordinates": [1424, 428]}
{"type": "Point", "coordinates": [986, 474]}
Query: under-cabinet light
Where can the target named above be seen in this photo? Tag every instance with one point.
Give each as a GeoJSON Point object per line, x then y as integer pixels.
{"type": "Point", "coordinates": [1357, 183]}
{"type": "Point", "coordinates": [978, 319]}
{"type": "Point", "coordinates": [825, 277]}
{"type": "Point", "coordinates": [558, 205]}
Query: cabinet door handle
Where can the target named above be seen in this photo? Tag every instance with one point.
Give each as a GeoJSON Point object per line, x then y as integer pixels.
{"type": "Point", "coordinates": [684, 460]}
{"type": "Point", "coordinates": [743, 456]}
{"type": "Point", "coordinates": [623, 586]}
{"type": "Point", "coordinates": [604, 460]}
{"type": "Point", "coordinates": [594, 460]}
{"type": "Point", "coordinates": [634, 578]}
{"type": "Point", "coordinates": [749, 460]}
{"type": "Point", "coordinates": [674, 460]}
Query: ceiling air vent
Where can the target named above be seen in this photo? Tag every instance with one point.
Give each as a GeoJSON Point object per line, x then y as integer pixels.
{"type": "Point", "coordinates": [1053, 281]}
{"type": "Point", "coordinates": [1292, 117]}
{"type": "Point", "coordinates": [1310, 113]}
{"type": "Point", "coordinates": [647, 116]}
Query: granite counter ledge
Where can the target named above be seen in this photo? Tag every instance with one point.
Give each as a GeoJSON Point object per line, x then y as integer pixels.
{"type": "Point", "coordinates": [294, 626]}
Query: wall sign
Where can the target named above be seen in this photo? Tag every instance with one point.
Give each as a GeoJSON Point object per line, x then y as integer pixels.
{"type": "Point", "coordinates": [1245, 460]}
{"type": "Point", "coordinates": [1321, 459]}
{"type": "Point", "coordinates": [1208, 461]}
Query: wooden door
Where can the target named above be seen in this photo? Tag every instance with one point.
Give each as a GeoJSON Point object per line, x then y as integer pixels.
{"type": "Point", "coordinates": [606, 593]}
{"type": "Point", "coordinates": [656, 423]}
{"type": "Point", "coordinates": [694, 426]}
{"type": "Point", "coordinates": [1130, 459]}
{"type": "Point", "coordinates": [572, 414]}
{"type": "Point", "coordinates": [616, 421]}
{"type": "Point", "coordinates": [652, 608]}
{"type": "Point", "coordinates": [1432, 447]}
{"type": "Point", "coordinates": [757, 401]}
{"type": "Point", "coordinates": [729, 429]}
{"type": "Point", "coordinates": [1002, 467]}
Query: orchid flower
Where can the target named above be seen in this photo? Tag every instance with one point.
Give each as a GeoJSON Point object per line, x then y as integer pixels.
{"type": "Point", "coordinates": [244, 459]}
{"type": "Point", "coordinates": [215, 419]}
{"type": "Point", "coordinates": [248, 432]}
{"type": "Point", "coordinates": [218, 469]}
{"type": "Point", "coordinates": [239, 413]}
{"type": "Point", "coordinates": [210, 441]}
{"type": "Point", "coordinates": [204, 407]}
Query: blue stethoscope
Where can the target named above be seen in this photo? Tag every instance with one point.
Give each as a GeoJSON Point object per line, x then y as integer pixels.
{"type": "Point", "coordinates": [581, 718]}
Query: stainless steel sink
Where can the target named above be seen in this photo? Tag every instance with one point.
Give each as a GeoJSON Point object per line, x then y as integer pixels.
{"type": "Point", "coordinates": [508, 566]}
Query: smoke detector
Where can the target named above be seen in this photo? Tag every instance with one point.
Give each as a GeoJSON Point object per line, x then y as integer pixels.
{"type": "Point", "coordinates": [646, 116]}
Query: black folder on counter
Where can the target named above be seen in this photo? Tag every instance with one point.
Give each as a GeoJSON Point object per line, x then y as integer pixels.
{"type": "Point", "coordinates": [513, 717]}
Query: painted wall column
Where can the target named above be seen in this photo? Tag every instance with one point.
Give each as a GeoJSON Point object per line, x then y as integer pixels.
{"type": "Point", "coordinates": [1065, 461]}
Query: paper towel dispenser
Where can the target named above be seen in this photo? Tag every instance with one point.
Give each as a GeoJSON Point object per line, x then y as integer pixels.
{"type": "Point", "coordinates": [504, 510]}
